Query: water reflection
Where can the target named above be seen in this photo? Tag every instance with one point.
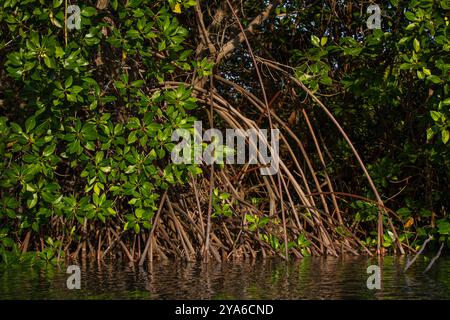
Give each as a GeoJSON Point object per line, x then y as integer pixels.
{"type": "Point", "coordinates": [310, 278]}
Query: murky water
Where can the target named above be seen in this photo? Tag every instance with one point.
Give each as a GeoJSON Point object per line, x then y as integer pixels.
{"type": "Point", "coordinates": [310, 278]}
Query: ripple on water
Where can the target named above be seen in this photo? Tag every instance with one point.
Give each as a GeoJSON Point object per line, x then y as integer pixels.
{"type": "Point", "coordinates": [309, 278]}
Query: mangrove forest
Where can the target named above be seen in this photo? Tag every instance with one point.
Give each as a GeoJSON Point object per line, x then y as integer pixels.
{"type": "Point", "coordinates": [223, 130]}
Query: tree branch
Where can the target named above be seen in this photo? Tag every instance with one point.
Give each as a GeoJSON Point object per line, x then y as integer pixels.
{"type": "Point", "coordinates": [232, 44]}
{"type": "Point", "coordinates": [204, 34]}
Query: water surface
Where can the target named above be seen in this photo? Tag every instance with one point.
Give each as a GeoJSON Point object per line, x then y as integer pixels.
{"type": "Point", "coordinates": [309, 278]}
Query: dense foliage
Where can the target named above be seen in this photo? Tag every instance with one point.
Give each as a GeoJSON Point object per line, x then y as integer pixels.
{"type": "Point", "coordinates": [82, 137]}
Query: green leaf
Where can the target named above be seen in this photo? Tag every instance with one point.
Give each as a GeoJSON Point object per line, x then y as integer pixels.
{"type": "Point", "coordinates": [430, 134]}
{"type": "Point", "coordinates": [139, 213]}
{"type": "Point", "coordinates": [138, 83]}
{"type": "Point", "coordinates": [99, 156]}
{"type": "Point", "coordinates": [434, 79]}
{"type": "Point", "coordinates": [132, 137]}
{"type": "Point", "coordinates": [30, 188]}
{"type": "Point", "coordinates": [88, 12]}
{"type": "Point", "coordinates": [95, 198]}
{"type": "Point", "coordinates": [426, 71]}
{"type": "Point", "coordinates": [410, 16]}
{"type": "Point", "coordinates": [50, 62]}
{"type": "Point", "coordinates": [435, 115]}
{"type": "Point", "coordinates": [96, 192]}
{"type": "Point", "coordinates": [315, 41]}
{"type": "Point", "coordinates": [57, 3]}
{"type": "Point", "coordinates": [105, 169]}
{"type": "Point", "coordinates": [444, 227]}
{"type": "Point", "coordinates": [30, 124]}
{"type": "Point", "coordinates": [68, 82]}
{"type": "Point", "coordinates": [416, 44]}
{"type": "Point", "coordinates": [32, 202]}
{"type": "Point", "coordinates": [445, 136]}
{"type": "Point", "coordinates": [411, 26]}
{"type": "Point", "coordinates": [49, 150]}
